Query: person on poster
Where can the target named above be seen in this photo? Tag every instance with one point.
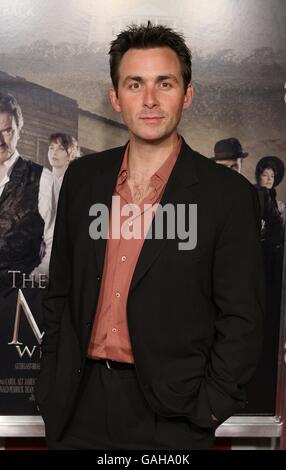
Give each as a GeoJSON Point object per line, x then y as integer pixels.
{"type": "Point", "coordinates": [149, 341]}
{"type": "Point", "coordinates": [228, 152]}
{"type": "Point", "coordinates": [61, 152]}
{"type": "Point", "coordinates": [269, 173]}
{"type": "Point", "coordinates": [26, 215]}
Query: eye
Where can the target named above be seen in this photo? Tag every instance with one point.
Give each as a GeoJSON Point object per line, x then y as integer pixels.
{"type": "Point", "coordinates": [165, 85]}
{"type": "Point", "coordinates": [8, 132]}
{"type": "Point", "coordinates": [134, 86]}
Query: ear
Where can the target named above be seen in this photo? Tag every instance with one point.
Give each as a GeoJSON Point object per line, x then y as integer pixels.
{"type": "Point", "coordinates": [188, 98]}
{"type": "Point", "coordinates": [114, 100]}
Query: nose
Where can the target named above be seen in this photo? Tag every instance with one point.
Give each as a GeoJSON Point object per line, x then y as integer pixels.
{"type": "Point", "coordinates": [150, 97]}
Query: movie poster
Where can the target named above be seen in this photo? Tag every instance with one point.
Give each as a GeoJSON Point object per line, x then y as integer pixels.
{"type": "Point", "coordinates": [54, 62]}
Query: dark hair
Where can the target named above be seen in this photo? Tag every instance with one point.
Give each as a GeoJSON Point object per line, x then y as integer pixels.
{"type": "Point", "coordinates": [9, 104]}
{"type": "Point", "coordinates": [65, 140]}
{"type": "Point", "coordinates": [148, 37]}
{"type": "Point", "coordinates": [273, 163]}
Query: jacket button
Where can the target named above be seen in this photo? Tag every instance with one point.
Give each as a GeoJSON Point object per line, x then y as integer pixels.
{"type": "Point", "coordinates": [79, 371]}
{"type": "Point", "coordinates": [98, 278]}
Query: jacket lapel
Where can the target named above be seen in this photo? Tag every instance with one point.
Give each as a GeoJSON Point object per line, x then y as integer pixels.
{"type": "Point", "coordinates": [102, 192]}
{"type": "Point", "coordinates": [180, 188]}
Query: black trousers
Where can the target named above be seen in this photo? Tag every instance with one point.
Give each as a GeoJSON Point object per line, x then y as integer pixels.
{"type": "Point", "coordinates": [112, 413]}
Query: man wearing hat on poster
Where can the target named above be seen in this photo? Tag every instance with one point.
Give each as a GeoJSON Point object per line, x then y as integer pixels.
{"type": "Point", "coordinates": [228, 152]}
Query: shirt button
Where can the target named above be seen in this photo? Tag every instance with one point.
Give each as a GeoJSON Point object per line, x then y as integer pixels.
{"type": "Point", "coordinates": [130, 223]}
{"type": "Point", "coordinates": [117, 294]}
{"type": "Point", "coordinates": [123, 258]}
{"type": "Point", "coordinates": [114, 330]}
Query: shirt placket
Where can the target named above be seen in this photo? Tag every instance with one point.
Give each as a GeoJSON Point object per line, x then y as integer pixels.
{"type": "Point", "coordinates": [114, 326]}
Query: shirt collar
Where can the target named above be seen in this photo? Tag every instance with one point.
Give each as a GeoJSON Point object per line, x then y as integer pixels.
{"type": "Point", "coordinates": [162, 173]}
{"type": "Point", "coordinates": [58, 178]}
{"type": "Point", "coordinates": [165, 169]}
{"type": "Point", "coordinates": [9, 164]}
{"type": "Point", "coordinates": [122, 175]}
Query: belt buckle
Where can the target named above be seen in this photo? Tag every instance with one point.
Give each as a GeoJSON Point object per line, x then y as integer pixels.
{"type": "Point", "coordinates": [108, 364]}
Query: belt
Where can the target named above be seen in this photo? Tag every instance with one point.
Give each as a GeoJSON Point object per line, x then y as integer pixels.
{"type": "Point", "coordinates": [114, 364]}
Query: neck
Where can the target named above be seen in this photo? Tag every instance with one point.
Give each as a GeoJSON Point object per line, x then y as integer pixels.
{"type": "Point", "coordinates": [6, 157]}
{"type": "Point", "coordinates": [59, 171]}
{"type": "Point", "coordinates": [147, 157]}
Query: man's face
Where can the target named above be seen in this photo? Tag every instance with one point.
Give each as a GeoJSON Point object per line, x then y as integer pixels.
{"type": "Point", "coordinates": [58, 156]}
{"type": "Point", "coordinates": [151, 93]}
{"type": "Point", "coordinates": [9, 136]}
{"type": "Point", "coordinates": [234, 164]}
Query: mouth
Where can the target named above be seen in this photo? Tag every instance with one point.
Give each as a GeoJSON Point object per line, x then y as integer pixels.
{"type": "Point", "coordinates": [152, 119]}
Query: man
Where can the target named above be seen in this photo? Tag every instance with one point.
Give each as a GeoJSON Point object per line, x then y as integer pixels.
{"type": "Point", "coordinates": [26, 217]}
{"type": "Point", "coordinates": [149, 344]}
{"type": "Point", "coordinates": [228, 152]}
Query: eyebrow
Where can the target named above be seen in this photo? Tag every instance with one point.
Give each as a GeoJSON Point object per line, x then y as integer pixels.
{"type": "Point", "coordinates": [6, 129]}
{"type": "Point", "coordinates": [159, 78]}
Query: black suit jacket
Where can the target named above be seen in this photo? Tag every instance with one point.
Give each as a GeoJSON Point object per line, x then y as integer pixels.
{"type": "Point", "coordinates": [194, 317]}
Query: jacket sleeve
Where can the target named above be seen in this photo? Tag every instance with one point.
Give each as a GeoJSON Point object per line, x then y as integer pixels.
{"type": "Point", "coordinates": [59, 273]}
{"type": "Point", "coordinates": [238, 290]}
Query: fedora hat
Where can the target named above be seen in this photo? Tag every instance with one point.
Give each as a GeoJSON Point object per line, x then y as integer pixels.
{"type": "Point", "coordinates": [228, 149]}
